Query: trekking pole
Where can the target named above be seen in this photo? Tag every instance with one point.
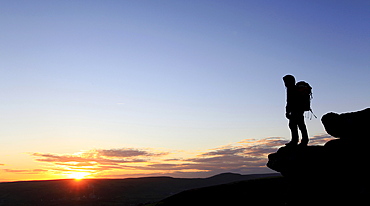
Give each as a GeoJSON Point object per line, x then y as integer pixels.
{"type": "Point", "coordinates": [313, 114]}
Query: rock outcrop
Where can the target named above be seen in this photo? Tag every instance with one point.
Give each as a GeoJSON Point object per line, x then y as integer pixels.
{"type": "Point", "coordinates": [352, 126]}
{"type": "Point", "coordinates": [336, 172]}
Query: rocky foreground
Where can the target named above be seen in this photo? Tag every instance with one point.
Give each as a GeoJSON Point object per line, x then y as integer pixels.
{"type": "Point", "coordinates": [336, 173]}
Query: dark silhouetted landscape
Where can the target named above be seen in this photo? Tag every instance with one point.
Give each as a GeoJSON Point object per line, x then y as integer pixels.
{"type": "Point", "coordinates": [125, 192]}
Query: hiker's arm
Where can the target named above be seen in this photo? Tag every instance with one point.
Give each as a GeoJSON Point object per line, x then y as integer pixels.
{"type": "Point", "coordinates": [287, 112]}
{"type": "Point", "coordinates": [289, 93]}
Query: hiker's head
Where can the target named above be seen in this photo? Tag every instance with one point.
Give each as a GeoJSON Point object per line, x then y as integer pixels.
{"type": "Point", "coordinates": [289, 80]}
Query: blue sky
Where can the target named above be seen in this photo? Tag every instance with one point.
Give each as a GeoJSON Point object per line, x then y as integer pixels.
{"type": "Point", "coordinates": [180, 75]}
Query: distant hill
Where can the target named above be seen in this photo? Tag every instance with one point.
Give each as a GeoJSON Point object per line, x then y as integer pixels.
{"type": "Point", "coordinates": [130, 191]}
{"type": "Point", "coordinates": [254, 192]}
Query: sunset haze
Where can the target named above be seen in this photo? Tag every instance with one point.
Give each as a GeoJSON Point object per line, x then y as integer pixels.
{"type": "Point", "coordinates": [116, 89]}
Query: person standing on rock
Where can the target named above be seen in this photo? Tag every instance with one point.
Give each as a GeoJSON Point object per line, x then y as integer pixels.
{"type": "Point", "coordinates": [298, 101]}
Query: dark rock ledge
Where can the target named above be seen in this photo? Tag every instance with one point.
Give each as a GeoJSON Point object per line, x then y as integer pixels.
{"type": "Point", "coordinates": [336, 173]}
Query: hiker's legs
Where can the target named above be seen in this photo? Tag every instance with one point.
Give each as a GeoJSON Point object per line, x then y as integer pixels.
{"type": "Point", "coordinates": [294, 130]}
{"type": "Point", "coordinates": [302, 127]}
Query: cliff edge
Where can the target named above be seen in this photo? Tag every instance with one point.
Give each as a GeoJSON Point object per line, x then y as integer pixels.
{"type": "Point", "coordinates": [334, 173]}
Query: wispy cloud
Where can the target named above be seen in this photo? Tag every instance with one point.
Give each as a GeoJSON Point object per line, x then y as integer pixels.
{"type": "Point", "coordinates": [320, 139]}
{"type": "Point", "coordinates": [98, 159]}
{"type": "Point", "coordinates": [31, 171]}
{"type": "Point", "coordinates": [128, 152]}
{"type": "Point", "coordinates": [246, 156]}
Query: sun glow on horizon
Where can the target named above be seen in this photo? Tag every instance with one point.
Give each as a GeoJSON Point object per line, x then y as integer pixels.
{"type": "Point", "coordinates": [78, 175]}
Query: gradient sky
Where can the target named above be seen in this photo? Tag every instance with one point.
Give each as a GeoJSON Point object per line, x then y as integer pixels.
{"type": "Point", "coordinates": [130, 88]}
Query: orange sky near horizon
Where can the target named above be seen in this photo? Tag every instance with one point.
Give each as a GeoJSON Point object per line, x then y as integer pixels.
{"type": "Point", "coordinates": [247, 156]}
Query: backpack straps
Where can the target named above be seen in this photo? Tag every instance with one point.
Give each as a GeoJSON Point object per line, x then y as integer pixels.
{"type": "Point", "coordinates": [312, 114]}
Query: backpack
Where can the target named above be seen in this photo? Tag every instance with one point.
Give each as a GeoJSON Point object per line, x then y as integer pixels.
{"type": "Point", "coordinates": [304, 95]}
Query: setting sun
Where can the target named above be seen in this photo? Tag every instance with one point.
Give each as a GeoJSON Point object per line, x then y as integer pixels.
{"type": "Point", "coordinates": [78, 175]}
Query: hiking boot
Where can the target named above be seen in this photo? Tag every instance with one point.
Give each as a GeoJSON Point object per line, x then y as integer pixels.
{"type": "Point", "coordinates": [291, 143]}
{"type": "Point", "coordinates": [303, 143]}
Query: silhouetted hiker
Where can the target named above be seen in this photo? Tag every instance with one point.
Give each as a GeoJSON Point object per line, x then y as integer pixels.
{"type": "Point", "coordinates": [298, 101]}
